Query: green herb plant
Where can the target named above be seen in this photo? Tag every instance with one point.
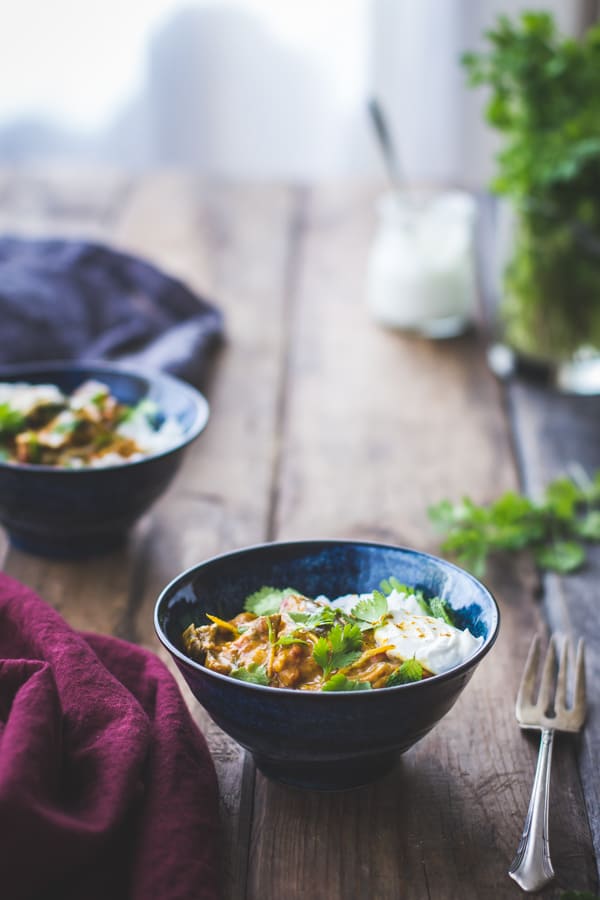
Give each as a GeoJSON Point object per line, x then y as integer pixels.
{"type": "Point", "coordinates": [555, 529]}
{"type": "Point", "coordinates": [543, 98]}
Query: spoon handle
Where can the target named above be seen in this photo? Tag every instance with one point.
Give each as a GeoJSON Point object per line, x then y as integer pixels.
{"type": "Point", "coordinates": [386, 143]}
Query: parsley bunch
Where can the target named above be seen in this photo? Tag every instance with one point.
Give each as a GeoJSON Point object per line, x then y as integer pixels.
{"type": "Point", "coordinates": [554, 529]}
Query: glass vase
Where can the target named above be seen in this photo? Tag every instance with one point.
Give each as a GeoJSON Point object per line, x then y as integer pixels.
{"type": "Point", "coordinates": [550, 294]}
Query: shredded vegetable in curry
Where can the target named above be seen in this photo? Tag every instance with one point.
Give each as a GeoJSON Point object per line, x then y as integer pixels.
{"type": "Point", "coordinates": [41, 425]}
{"type": "Point", "coordinates": [284, 639]}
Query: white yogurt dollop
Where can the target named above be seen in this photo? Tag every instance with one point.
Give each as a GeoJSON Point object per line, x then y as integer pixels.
{"type": "Point", "coordinates": [435, 644]}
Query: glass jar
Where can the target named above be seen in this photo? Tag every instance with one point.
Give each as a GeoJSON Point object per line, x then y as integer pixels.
{"type": "Point", "coordinates": [549, 312]}
{"type": "Point", "coordinates": [421, 268]}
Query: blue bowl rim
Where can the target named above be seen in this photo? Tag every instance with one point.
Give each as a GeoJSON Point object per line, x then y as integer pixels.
{"type": "Point", "coordinates": [469, 663]}
{"type": "Point", "coordinates": [151, 376]}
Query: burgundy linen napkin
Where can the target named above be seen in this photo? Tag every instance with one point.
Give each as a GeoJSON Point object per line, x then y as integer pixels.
{"type": "Point", "coordinates": [107, 789]}
{"type": "Point", "coordinates": [78, 300]}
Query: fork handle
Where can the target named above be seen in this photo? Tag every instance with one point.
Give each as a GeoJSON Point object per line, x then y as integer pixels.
{"type": "Point", "coordinates": [532, 868]}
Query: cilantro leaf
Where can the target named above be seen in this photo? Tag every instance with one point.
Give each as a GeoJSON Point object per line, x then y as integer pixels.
{"type": "Point", "coordinates": [321, 651]}
{"type": "Point", "coordinates": [440, 609]}
{"type": "Point", "coordinates": [550, 529]}
{"type": "Point", "coordinates": [318, 619]}
{"type": "Point", "coordinates": [342, 646]}
{"type": "Point", "coordinates": [370, 609]}
{"type": "Point", "coordinates": [339, 682]}
{"type": "Point", "coordinates": [391, 584]}
{"type": "Point", "coordinates": [589, 526]}
{"type": "Point", "coordinates": [410, 670]}
{"type": "Point", "coordinates": [287, 639]}
{"type": "Point", "coordinates": [11, 420]}
{"type": "Point", "coordinates": [266, 601]}
{"type": "Point", "coordinates": [253, 674]}
{"type": "Point", "coordinates": [578, 895]}
{"type": "Point", "coordinates": [423, 602]}
{"type": "Point", "coordinates": [562, 556]}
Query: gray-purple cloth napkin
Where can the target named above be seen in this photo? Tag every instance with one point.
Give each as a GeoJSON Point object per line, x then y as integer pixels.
{"type": "Point", "coordinates": [76, 300]}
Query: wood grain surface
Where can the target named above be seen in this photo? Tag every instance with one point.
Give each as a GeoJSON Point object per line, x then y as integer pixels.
{"type": "Point", "coordinates": [325, 425]}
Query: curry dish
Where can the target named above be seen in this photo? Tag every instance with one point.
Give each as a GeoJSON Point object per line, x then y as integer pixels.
{"type": "Point", "coordinates": [284, 639]}
{"type": "Point", "coordinates": [40, 425]}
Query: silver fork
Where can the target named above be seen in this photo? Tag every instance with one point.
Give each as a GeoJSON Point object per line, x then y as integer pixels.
{"type": "Point", "coordinates": [532, 867]}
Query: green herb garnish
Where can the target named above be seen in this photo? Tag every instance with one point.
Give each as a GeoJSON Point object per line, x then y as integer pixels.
{"type": "Point", "coordinates": [266, 601]}
{"type": "Point", "coordinates": [392, 584]}
{"type": "Point", "coordinates": [11, 420]}
{"type": "Point", "coordinates": [253, 674]}
{"type": "Point", "coordinates": [410, 670]}
{"type": "Point", "coordinates": [553, 528]}
{"type": "Point", "coordinates": [441, 610]}
{"type": "Point", "coordinates": [322, 618]}
{"type": "Point", "coordinates": [370, 611]}
{"type": "Point", "coordinates": [286, 639]}
{"type": "Point", "coordinates": [339, 682]}
{"type": "Point", "coordinates": [339, 648]}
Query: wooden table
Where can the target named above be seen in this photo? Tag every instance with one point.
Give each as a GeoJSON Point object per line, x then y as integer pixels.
{"type": "Point", "coordinates": [325, 425]}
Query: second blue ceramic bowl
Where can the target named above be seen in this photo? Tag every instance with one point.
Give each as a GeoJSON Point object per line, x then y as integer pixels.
{"type": "Point", "coordinates": [325, 741]}
{"type": "Point", "coordinates": [71, 513]}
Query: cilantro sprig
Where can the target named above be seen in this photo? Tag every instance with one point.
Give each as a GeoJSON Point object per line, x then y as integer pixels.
{"type": "Point", "coordinates": [266, 601]}
{"type": "Point", "coordinates": [339, 682]}
{"type": "Point", "coordinates": [321, 618]}
{"type": "Point", "coordinates": [253, 674]}
{"type": "Point", "coordinates": [11, 420]}
{"type": "Point", "coordinates": [340, 647]}
{"type": "Point", "coordinates": [370, 610]}
{"type": "Point", "coordinates": [410, 670]}
{"type": "Point", "coordinates": [553, 529]}
{"type": "Point", "coordinates": [434, 606]}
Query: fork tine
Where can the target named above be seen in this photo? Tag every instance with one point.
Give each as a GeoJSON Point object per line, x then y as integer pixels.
{"type": "Point", "coordinates": [526, 688]}
{"type": "Point", "coordinates": [560, 702]}
{"type": "Point", "coordinates": [579, 690]}
{"type": "Point", "coordinates": [547, 683]}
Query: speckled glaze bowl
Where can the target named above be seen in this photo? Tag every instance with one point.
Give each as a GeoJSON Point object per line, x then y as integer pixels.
{"type": "Point", "coordinates": [74, 513]}
{"type": "Point", "coordinates": [321, 740]}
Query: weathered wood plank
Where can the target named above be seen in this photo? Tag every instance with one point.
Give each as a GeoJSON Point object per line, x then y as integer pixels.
{"type": "Point", "coordinates": [376, 427]}
{"type": "Point", "coordinates": [92, 595]}
{"type": "Point", "coordinates": [554, 432]}
{"type": "Point", "coordinates": [61, 202]}
{"type": "Point", "coordinates": [232, 244]}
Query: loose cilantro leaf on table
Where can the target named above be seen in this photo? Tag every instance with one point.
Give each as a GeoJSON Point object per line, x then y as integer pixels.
{"type": "Point", "coordinates": [339, 682]}
{"type": "Point", "coordinates": [589, 526]}
{"type": "Point", "coordinates": [254, 674]}
{"type": "Point", "coordinates": [339, 648]}
{"type": "Point", "coordinates": [562, 556]}
{"type": "Point", "coordinates": [410, 670]}
{"type": "Point", "coordinates": [553, 528]}
{"type": "Point", "coordinates": [578, 895]}
{"type": "Point", "coordinates": [266, 601]}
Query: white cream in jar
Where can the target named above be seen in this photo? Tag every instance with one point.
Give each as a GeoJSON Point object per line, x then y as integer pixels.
{"type": "Point", "coordinates": [421, 268]}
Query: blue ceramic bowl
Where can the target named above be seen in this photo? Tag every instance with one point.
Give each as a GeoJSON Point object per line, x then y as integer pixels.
{"type": "Point", "coordinates": [70, 513]}
{"type": "Point", "coordinates": [320, 740]}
